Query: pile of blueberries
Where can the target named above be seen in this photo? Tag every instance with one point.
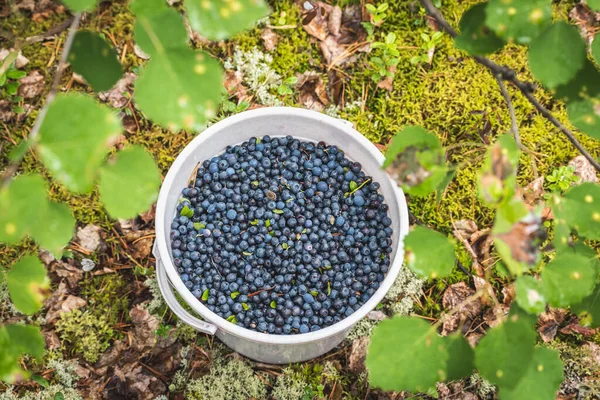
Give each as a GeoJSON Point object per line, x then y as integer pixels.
{"type": "Point", "coordinates": [282, 236]}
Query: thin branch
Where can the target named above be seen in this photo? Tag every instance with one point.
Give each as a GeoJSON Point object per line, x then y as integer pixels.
{"type": "Point", "coordinates": [514, 127]}
{"type": "Point", "coordinates": [507, 74]}
{"type": "Point", "coordinates": [14, 164]}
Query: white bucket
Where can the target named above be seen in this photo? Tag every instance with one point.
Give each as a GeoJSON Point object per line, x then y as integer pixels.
{"type": "Point", "coordinates": [277, 121]}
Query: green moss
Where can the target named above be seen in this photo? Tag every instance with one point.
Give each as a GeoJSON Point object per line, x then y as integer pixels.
{"type": "Point", "coordinates": [84, 333]}
{"type": "Point", "coordinates": [581, 371]}
{"type": "Point", "coordinates": [107, 297]}
{"type": "Point", "coordinates": [301, 381]}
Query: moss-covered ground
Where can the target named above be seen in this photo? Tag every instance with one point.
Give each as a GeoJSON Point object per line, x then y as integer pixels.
{"type": "Point", "coordinates": [453, 97]}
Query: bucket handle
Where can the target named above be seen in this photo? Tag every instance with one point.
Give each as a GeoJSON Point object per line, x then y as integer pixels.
{"type": "Point", "coordinates": [172, 302]}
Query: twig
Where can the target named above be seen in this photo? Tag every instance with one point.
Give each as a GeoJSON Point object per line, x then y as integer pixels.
{"type": "Point", "coordinates": [14, 164]}
{"type": "Point", "coordinates": [511, 109]}
{"type": "Point", "coordinates": [507, 74]}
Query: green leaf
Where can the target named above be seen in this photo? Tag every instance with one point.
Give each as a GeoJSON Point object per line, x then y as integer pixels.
{"type": "Point", "coordinates": [423, 261]}
{"type": "Point", "coordinates": [503, 355]}
{"type": "Point", "coordinates": [578, 209]}
{"type": "Point", "coordinates": [541, 380]}
{"type": "Point", "coordinates": [594, 4]}
{"type": "Point", "coordinates": [12, 87]}
{"type": "Point", "coordinates": [16, 74]}
{"type": "Point", "coordinates": [585, 115]}
{"type": "Point", "coordinates": [596, 47]}
{"type": "Point", "coordinates": [400, 342]}
{"type": "Point", "coordinates": [557, 54]}
{"type": "Point", "coordinates": [254, 222]}
{"type": "Point", "coordinates": [245, 306]}
{"type": "Point", "coordinates": [475, 37]}
{"type": "Point", "coordinates": [273, 304]}
{"type": "Point", "coordinates": [180, 89]}
{"type": "Point", "coordinates": [353, 185]}
{"type": "Point", "coordinates": [588, 310]}
{"type": "Point", "coordinates": [410, 136]}
{"type": "Point", "coordinates": [267, 223]}
{"type": "Point", "coordinates": [517, 20]}
{"type": "Point", "coordinates": [205, 295]}
{"type": "Point", "coordinates": [234, 295]}
{"type": "Point", "coordinates": [285, 246]}
{"type": "Point", "coordinates": [186, 212]}
{"type": "Point", "coordinates": [134, 173]}
{"type": "Point", "coordinates": [158, 31]}
{"type": "Point", "coordinates": [221, 19]}
{"type": "Point", "coordinates": [568, 279]}
{"type": "Point", "coordinates": [80, 5]}
{"type": "Point", "coordinates": [16, 340]}
{"type": "Point", "coordinates": [246, 253]}
{"type": "Point", "coordinates": [530, 294]}
{"type": "Point", "coordinates": [27, 284]}
{"type": "Point", "coordinates": [198, 225]}
{"type": "Point", "coordinates": [497, 181]}
{"type": "Point", "coordinates": [95, 59]}
{"type": "Point", "coordinates": [232, 319]}
{"type": "Point", "coordinates": [59, 396]}
{"type": "Point", "coordinates": [57, 231]}
{"type": "Point", "coordinates": [585, 84]}
{"type": "Point", "coordinates": [276, 211]}
{"type": "Point", "coordinates": [41, 381]}
{"type": "Point", "coordinates": [74, 139]}
{"type": "Point", "coordinates": [461, 358]}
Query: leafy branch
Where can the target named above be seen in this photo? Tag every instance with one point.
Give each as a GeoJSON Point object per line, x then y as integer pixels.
{"type": "Point", "coordinates": [509, 75]}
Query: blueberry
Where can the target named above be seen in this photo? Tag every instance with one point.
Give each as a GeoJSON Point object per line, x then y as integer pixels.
{"type": "Point", "coordinates": [231, 214]}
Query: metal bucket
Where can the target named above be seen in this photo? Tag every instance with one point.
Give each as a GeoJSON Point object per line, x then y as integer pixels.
{"type": "Point", "coordinates": [277, 121]}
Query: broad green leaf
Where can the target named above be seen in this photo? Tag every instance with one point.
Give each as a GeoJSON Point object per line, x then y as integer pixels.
{"type": "Point", "coordinates": [406, 354]}
{"type": "Point", "coordinates": [541, 380]}
{"type": "Point", "coordinates": [27, 283]}
{"type": "Point", "coordinates": [420, 257]}
{"type": "Point", "coordinates": [56, 231]}
{"type": "Point", "coordinates": [221, 19]}
{"type": "Point", "coordinates": [80, 5]}
{"type": "Point", "coordinates": [518, 20]}
{"type": "Point", "coordinates": [596, 48]}
{"type": "Point", "coordinates": [594, 4]}
{"type": "Point", "coordinates": [578, 209]}
{"type": "Point", "coordinates": [96, 60]}
{"type": "Point", "coordinates": [461, 358]}
{"type": "Point", "coordinates": [557, 54]}
{"type": "Point", "coordinates": [148, 8]}
{"type": "Point", "coordinates": [503, 355]}
{"type": "Point", "coordinates": [588, 310]}
{"type": "Point", "coordinates": [74, 139]}
{"type": "Point", "coordinates": [16, 340]}
{"type": "Point", "coordinates": [180, 90]}
{"type": "Point", "coordinates": [475, 37]}
{"type": "Point", "coordinates": [585, 84]}
{"type": "Point", "coordinates": [23, 205]}
{"type": "Point", "coordinates": [585, 115]}
{"type": "Point", "coordinates": [416, 160]}
{"type": "Point", "coordinates": [568, 279]}
{"type": "Point", "coordinates": [497, 182]}
{"type": "Point", "coordinates": [514, 235]}
{"type": "Point", "coordinates": [157, 34]}
{"type": "Point", "coordinates": [530, 294]}
{"type": "Point", "coordinates": [129, 186]}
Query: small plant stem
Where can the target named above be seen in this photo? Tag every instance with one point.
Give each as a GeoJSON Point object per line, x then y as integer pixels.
{"type": "Point", "coordinates": [510, 75]}
{"type": "Point", "coordinates": [35, 130]}
{"type": "Point", "coordinates": [514, 127]}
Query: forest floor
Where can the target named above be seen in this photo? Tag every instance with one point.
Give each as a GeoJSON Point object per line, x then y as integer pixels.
{"type": "Point", "coordinates": [108, 332]}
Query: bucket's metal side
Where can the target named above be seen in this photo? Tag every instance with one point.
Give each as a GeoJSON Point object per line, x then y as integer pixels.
{"type": "Point", "coordinates": [173, 304]}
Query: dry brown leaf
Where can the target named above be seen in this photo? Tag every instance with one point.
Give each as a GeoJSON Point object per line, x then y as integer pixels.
{"type": "Point", "coordinates": [495, 315]}
{"type": "Point", "coordinates": [358, 354]}
{"type": "Point", "coordinates": [140, 243]}
{"type": "Point", "coordinates": [336, 87]}
{"type": "Point", "coordinates": [533, 192]}
{"type": "Point", "coordinates": [270, 39]}
{"type": "Point", "coordinates": [89, 237]}
{"type": "Point", "coordinates": [465, 228]}
{"type": "Point", "coordinates": [312, 91]}
{"type": "Point", "coordinates": [453, 296]}
{"type": "Point", "coordinates": [508, 294]}
{"type": "Point", "coordinates": [32, 85]}
{"type": "Point", "coordinates": [584, 169]}
{"type": "Point", "coordinates": [334, 23]}
{"type": "Point", "coordinates": [315, 19]}
{"type": "Point", "coordinates": [549, 321]}
{"type": "Point", "coordinates": [51, 339]}
{"type": "Point", "coordinates": [388, 82]}
{"type": "Point", "coordinates": [474, 338]}
{"type": "Point", "coordinates": [233, 84]}
{"type": "Point", "coordinates": [115, 96]}
{"type": "Point", "coordinates": [574, 328]}
{"type": "Point", "coordinates": [523, 239]}
{"type": "Point", "coordinates": [454, 391]}
{"type": "Point", "coordinates": [144, 326]}
{"type": "Point", "coordinates": [6, 111]}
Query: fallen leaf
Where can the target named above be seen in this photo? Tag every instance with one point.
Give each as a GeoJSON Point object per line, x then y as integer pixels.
{"type": "Point", "coordinates": [270, 39]}
{"type": "Point", "coordinates": [233, 84]}
{"type": "Point", "coordinates": [315, 19]}
{"type": "Point", "coordinates": [454, 391]}
{"type": "Point", "coordinates": [51, 339]}
{"type": "Point", "coordinates": [21, 60]}
{"type": "Point", "coordinates": [523, 239]}
{"type": "Point", "coordinates": [574, 328]}
{"type": "Point", "coordinates": [358, 354]}
{"type": "Point", "coordinates": [495, 315]}
{"type": "Point", "coordinates": [121, 93]}
{"type": "Point", "coordinates": [149, 215]}
{"type": "Point", "coordinates": [145, 324]}
{"type": "Point", "coordinates": [111, 356]}
{"type": "Point", "coordinates": [70, 273]}
{"type": "Point", "coordinates": [388, 82]}
{"type": "Point", "coordinates": [376, 315]}
{"type": "Point", "coordinates": [69, 304]}
{"type": "Point", "coordinates": [533, 192]}
{"type": "Point", "coordinates": [32, 85]}
{"type": "Point", "coordinates": [140, 243]}
{"type": "Point", "coordinates": [508, 294]}
{"type": "Point", "coordinates": [89, 237]}
{"type": "Point", "coordinates": [548, 323]}
{"type": "Point", "coordinates": [6, 111]}
{"type": "Point", "coordinates": [334, 22]}
{"type": "Point", "coordinates": [336, 87]}
{"type": "Point", "coordinates": [453, 296]}
{"type": "Point", "coordinates": [584, 169]}
{"type": "Point", "coordinates": [474, 338]}
{"type": "Point", "coordinates": [312, 91]}
{"type": "Point", "coordinates": [137, 383]}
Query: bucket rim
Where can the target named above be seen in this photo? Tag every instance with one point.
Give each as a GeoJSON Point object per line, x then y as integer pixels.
{"type": "Point", "coordinates": [163, 231]}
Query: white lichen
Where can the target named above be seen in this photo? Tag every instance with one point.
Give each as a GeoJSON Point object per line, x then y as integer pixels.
{"type": "Point", "coordinates": [6, 305]}
{"type": "Point", "coordinates": [364, 327]}
{"type": "Point", "coordinates": [227, 380]}
{"type": "Point", "coordinates": [157, 303]}
{"type": "Point", "coordinates": [65, 371]}
{"type": "Point", "coordinates": [288, 387]}
{"type": "Point", "coordinates": [259, 77]}
{"type": "Point", "coordinates": [46, 394]}
{"type": "Point", "coordinates": [484, 387]}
